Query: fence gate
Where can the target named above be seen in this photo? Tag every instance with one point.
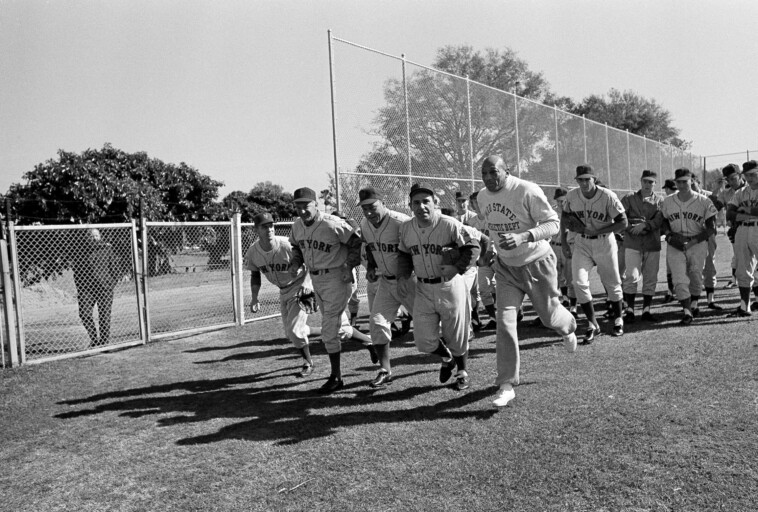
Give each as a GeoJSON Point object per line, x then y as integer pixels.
{"type": "Point", "coordinates": [77, 289]}
{"type": "Point", "coordinates": [190, 271]}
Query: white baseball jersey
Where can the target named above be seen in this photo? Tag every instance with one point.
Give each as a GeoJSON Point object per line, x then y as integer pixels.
{"type": "Point", "coordinates": [383, 241]}
{"type": "Point", "coordinates": [273, 264]}
{"type": "Point", "coordinates": [745, 196]}
{"type": "Point", "coordinates": [727, 194]}
{"type": "Point", "coordinates": [466, 217]}
{"type": "Point", "coordinates": [687, 217]}
{"type": "Point", "coordinates": [518, 207]}
{"type": "Point", "coordinates": [322, 243]}
{"type": "Point", "coordinates": [480, 224]}
{"type": "Point", "coordinates": [425, 244]}
{"type": "Point", "coordinates": [596, 212]}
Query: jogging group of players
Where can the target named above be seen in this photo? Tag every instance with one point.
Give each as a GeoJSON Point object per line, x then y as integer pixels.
{"type": "Point", "coordinates": [438, 265]}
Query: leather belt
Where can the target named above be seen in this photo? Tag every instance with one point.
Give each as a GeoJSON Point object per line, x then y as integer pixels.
{"type": "Point", "coordinates": [557, 244]}
{"type": "Point", "coordinates": [319, 272]}
{"type": "Point", "coordinates": [749, 224]}
{"type": "Point", "coordinates": [390, 278]}
{"type": "Point", "coordinates": [593, 237]}
{"type": "Point", "coordinates": [433, 280]}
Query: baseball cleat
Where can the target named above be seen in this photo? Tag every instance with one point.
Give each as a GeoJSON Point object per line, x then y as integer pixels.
{"type": "Point", "coordinates": [647, 316]}
{"type": "Point", "coordinates": [505, 395]}
{"type": "Point", "coordinates": [446, 370]}
{"type": "Point", "coordinates": [713, 305]}
{"type": "Point", "coordinates": [306, 371]}
{"type": "Point", "coordinates": [695, 312]}
{"type": "Point", "coordinates": [383, 378]}
{"type": "Point", "coordinates": [668, 298]}
{"type": "Point", "coordinates": [730, 284]}
{"type": "Point", "coordinates": [739, 312]}
{"type": "Point", "coordinates": [372, 353]}
{"type": "Point", "coordinates": [569, 342]}
{"type": "Point", "coordinates": [618, 330]}
{"type": "Point", "coordinates": [461, 382]}
{"type": "Point", "coordinates": [686, 320]}
{"type": "Point", "coordinates": [629, 316]}
{"type": "Point", "coordinates": [589, 335]}
{"type": "Point", "coordinates": [331, 385]}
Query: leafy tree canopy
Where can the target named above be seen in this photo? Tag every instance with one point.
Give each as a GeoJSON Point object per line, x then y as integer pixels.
{"type": "Point", "coordinates": [263, 197]}
{"type": "Point", "coordinates": [105, 185]}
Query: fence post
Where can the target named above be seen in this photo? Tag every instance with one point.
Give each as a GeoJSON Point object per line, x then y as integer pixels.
{"type": "Point", "coordinates": [407, 126]}
{"type": "Point", "coordinates": [236, 264]}
{"type": "Point", "coordinates": [470, 136]}
{"type": "Point", "coordinates": [334, 122]}
{"type": "Point", "coordinates": [138, 280]}
{"type": "Point", "coordinates": [584, 136]}
{"type": "Point", "coordinates": [644, 140]}
{"type": "Point", "coordinates": [628, 162]}
{"type": "Point", "coordinates": [145, 274]}
{"type": "Point", "coordinates": [17, 292]}
{"type": "Point", "coordinates": [557, 148]}
{"type": "Point", "coordinates": [608, 156]}
{"type": "Point", "coordinates": [515, 123]}
{"type": "Point", "coordinates": [10, 323]}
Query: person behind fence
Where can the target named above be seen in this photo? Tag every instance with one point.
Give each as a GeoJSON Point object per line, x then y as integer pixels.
{"type": "Point", "coordinates": [271, 256]}
{"type": "Point", "coordinates": [96, 273]}
{"type": "Point", "coordinates": [380, 231]}
{"type": "Point", "coordinates": [642, 246]}
{"type": "Point", "coordinates": [328, 248]}
{"type": "Point", "coordinates": [689, 220]}
{"type": "Point", "coordinates": [521, 221]}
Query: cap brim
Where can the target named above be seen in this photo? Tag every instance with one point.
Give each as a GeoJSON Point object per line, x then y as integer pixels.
{"type": "Point", "coordinates": [303, 200]}
{"type": "Point", "coordinates": [370, 200]}
{"type": "Point", "coordinates": [585, 176]}
{"type": "Point", "coordinates": [422, 191]}
{"type": "Point", "coordinates": [751, 170]}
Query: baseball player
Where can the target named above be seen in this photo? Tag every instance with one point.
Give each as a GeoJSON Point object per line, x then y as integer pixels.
{"type": "Point", "coordinates": [463, 214]}
{"type": "Point", "coordinates": [354, 304]}
{"type": "Point", "coordinates": [689, 220]}
{"type": "Point", "coordinates": [742, 211]}
{"type": "Point", "coordinates": [521, 222]}
{"type": "Point", "coordinates": [485, 273]}
{"type": "Point", "coordinates": [271, 255]}
{"type": "Point", "coordinates": [600, 214]}
{"type": "Point", "coordinates": [642, 246]}
{"type": "Point", "coordinates": [438, 251]}
{"type": "Point", "coordinates": [328, 248]}
{"type": "Point", "coordinates": [735, 181]}
{"type": "Point", "coordinates": [380, 231]}
{"type": "Point", "coordinates": [709, 271]}
{"type": "Point", "coordinates": [669, 188]}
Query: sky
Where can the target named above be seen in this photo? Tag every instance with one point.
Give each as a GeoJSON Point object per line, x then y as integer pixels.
{"type": "Point", "coordinates": [240, 89]}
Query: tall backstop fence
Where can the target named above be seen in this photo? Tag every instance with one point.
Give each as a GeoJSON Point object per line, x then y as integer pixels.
{"type": "Point", "coordinates": [78, 289]}
{"type": "Point", "coordinates": [396, 122]}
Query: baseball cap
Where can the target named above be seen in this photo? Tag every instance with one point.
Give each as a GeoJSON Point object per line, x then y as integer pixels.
{"type": "Point", "coordinates": [749, 166]}
{"type": "Point", "coordinates": [560, 192]}
{"type": "Point", "coordinates": [421, 187]}
{"type": "Point", "coordinates": [669, 184]}
{"type": "Point", "coordinates": [305, 195]}
{"type": "Point", "coordinates": [730, 169]}
{"type": "Point", "coordinates": [585, 171]}
{"type": "Point", "coordinates": [649, 175]}
{"type": "Point", "coordinates": [682, 173]}
{"type": "Point", "coordinates": [263, 218]}
{"type": "Point", "coordinates": [460, 195]}
{"type": "Point", "coordinates": [446, 211]}
{"type": "Point", "coordinates": [368, 195]}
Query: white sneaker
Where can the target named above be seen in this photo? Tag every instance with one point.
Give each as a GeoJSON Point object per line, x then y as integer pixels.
{"type": "Point", "coordinates": [569, 342]}
{"type": "Point", "coordinates": [505, 395]}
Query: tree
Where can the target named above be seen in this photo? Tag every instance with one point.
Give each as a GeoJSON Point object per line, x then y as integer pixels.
{"type": "Point", "coordinates": [628, 110]}
{"type": "Point", "coordinates": [263, 197]}
{"type": "Point", "coordinates": [105, 185]}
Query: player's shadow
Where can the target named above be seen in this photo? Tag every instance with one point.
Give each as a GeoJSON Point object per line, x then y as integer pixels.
{"type": "Point", "coordinates": [278, 412]}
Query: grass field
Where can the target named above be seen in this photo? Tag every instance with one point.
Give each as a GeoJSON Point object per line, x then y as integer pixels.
{"type": "Point", "coordinates": [663, 418]}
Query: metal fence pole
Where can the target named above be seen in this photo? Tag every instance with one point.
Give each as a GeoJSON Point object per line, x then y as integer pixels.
{"type": "Point", "coordinates": [236, 266]}
{"type": "Point", "coordinates": [470, 135]}
{"type": "Point", "coordinates": [17, 292]}
{"type": "Point", "coordinates": [145, 276]}
{"type": "Point", "coordinates": [407, 125]}
{"type": "Point", "coordinates": [138, 283]}
{"type": "Point", "coordinates": [515, 123]}
{"type": "Point", "coordinates": [608, 156]}
{"type": "Point", "coordinates": [628, 162]}
{"type": "Point", "coordinates": [557, 149]}
{"type": "Point", "coordinates": [584, 136]}
{"type": "Point", "coordinates": [644, 140]}
{"type": "Point", "coordinates": [334, 122]}
{"type": "Point", "coordinates": [10, 322]}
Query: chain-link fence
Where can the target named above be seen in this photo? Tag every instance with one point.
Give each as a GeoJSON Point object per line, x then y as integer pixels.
{"type": "Point", "coordinates": [77, 288]}
{"type": "Point", "coordinates": [397, 122]}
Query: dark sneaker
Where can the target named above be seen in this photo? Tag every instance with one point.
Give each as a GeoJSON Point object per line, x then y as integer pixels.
{"type": "Point", "coordinates": [686, 320]}
{"type": "Point", "coordinates": [305, 371]}
{"type": "Point", "coordinates": [446, 370]}
{"type": "Point", "coordinates": [589, 335]}
{"type": "Point", "coordinates": [714, 306]}
{"type": "Point", "coordinates": [461, 382]}
{"type": "Point", "coordinates": [383, 378]}
{"type": "Point", "coordinates": [647, 316]}
{"type": "Point", "coordinates": [331, 385]}
{"type": "Point", "coordinates": [739, 312]}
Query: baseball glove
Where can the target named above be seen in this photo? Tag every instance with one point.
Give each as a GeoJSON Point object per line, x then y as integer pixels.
{"type": "Point", "coordinates": [573, 222]}
{"type": "Point", "coordinates": [633, 221]}
{"type": "Point", "coordinates": [676, 240]}
{"type": "Point", "coordinates": [450, 255]}
{"type": "Point", "coordinates": [306, 299]}
{"type": "Point", "coordinates": [731, 232]}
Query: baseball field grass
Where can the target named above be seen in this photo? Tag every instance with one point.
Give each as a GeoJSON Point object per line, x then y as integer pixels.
{"type": "Point", "coordinates": [663, 418]}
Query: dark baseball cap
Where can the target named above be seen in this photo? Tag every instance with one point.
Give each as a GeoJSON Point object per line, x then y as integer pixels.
{"type": "Point", "coordinates": [421, 187]}
{"type": "Point", "coordinates": [730, 169]}
{"type": "Point", "coordinates": [585, 171]}
{"type": "Point", "coordinates": [669, 184]}
{"type": "Point", "coordinates": [560, 192]}
{"type": "Point", "coordinates": [305, 195]}
{"type": "Point", "coordinates": [682, 172]}
{"type": "Point", "coordinates": [459, 195]}
{"type": "Point", "coordinates": [649, 175]}
{"type": "Point", "coordinates": [368, 195]}
{"type": "Point", "coordinates": [263, 218]}
{"type": "Point", "coordinates": [750, 166]}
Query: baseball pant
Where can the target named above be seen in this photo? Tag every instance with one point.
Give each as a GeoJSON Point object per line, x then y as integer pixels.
{"type": "Point", "coordinates": [447, 303]}
{"type": "Point", "coordinates": [371, 289]}
{"type": "Point", "coordinates": [538, 280]}
{"type": "Point", "coordinates": [332, 295]}
{"type": "Point", "coordinates": [603, 253]}
{"type": "Point", "coordinates": [621, 259]}
{"type": "Point", "coordinates": [746, 249]}
{"type": "Point", "coordinates": [709, 271]}
{"type": "Point", "coordinates": [641, 266]}
{"type": "Point", "coordinates": [294, 319]}
{"type": "Point", "coordinates": [385, 306]}
{"type": "Point", "coordinates": [355, 302]}
{"type": "Point", "coordinates": [471, 276]}
{"type": "Point", "coordinates": [102, 296]}
{"type": "Point", "coordinates": [560, 262]}
{"type": "Point", "coordinates": [568, 275]}
{"type": "Point", "coordinates": [487, 285]}
{"type": "Point", "coordinates": [687, 269]}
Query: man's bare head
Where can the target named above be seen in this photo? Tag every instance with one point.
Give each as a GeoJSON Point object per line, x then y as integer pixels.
{"type": "Point", "coordinates": [494, 173]}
